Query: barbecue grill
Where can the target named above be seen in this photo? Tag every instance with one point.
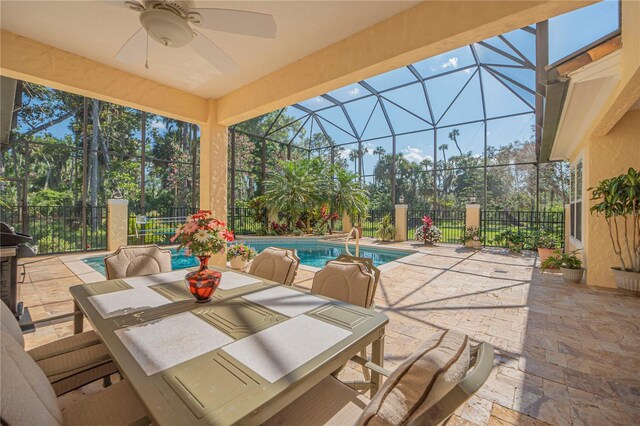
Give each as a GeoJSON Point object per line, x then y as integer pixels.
{"type": "Point", "coordinates": [13, 246]}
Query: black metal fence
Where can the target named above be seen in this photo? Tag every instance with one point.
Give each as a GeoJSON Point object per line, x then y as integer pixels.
{"type": "Point", "coordinates": [370, 223]}
{"type": "Point", "coordinates": [156, 226]}
{"type": "Point", "coordinates": [59, 229]}
{"type": "Point", "coordinates": [450, 222]}
{"type": "Point", "coordinates": [493, 223]}
{"type": "Point", "coordinates": [243, 221]}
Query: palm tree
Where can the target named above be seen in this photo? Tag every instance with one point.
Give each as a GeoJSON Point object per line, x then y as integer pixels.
{"type": "Point", "coordinates": [379, 151]}
{"type": "Point", "coordinates": [296, 188]}
{"type": "Point", "coordinates": [353, 156]}
{"type": "Point", "coordinates": [349, 196]}
{"type": "Point", "coordinates": [453, 135]}
{"type": "Point", "coordinates": [443, 147]}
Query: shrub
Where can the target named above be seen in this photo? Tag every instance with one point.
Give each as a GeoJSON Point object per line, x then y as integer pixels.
{"type": "Point", "coordinates": [386, 231]}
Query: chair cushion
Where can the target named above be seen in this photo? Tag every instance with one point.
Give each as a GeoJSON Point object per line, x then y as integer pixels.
{"type": "Point", "coordinates": [420, 381]}
{"type": "Point", "coordinates": [349, 282]}
{"type": "Point", "coordinates": [27, 397]}
{"type": "Point", "coordinates": [116, 405]}
{"type": "Point", "coordinates": [330, 402]}
{"type": "Point", "coordinates": [135, 261]}
{"type": "Point", "coordinates": [275, 264]}
{"type": "Point", "coordinates": [9, 324]}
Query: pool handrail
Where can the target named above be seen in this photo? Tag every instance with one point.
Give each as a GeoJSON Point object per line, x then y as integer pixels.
{"type": "Point", "coordinates": [346, 242]}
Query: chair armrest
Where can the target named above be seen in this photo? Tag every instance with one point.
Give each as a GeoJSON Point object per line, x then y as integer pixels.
{"type": "Point", "coordinates": [47, 319]}
{"type": "Point", "coordinates": [371, 366]}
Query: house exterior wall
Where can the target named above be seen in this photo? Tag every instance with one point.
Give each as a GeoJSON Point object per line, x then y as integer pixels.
{"type": "Point", "coordinates": [604, 157]}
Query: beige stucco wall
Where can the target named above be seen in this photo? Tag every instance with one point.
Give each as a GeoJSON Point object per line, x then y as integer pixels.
{"type": "Point", "coordinates": [605, 157]}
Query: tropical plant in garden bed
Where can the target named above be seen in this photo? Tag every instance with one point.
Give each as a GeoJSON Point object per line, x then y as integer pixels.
{"type": "Point", "coordinates": [349, 196]}
{"type": "Point", "coordinates": [618, 199]}
{"type": "Point", "coordinates": [386, 231]}
{"type": "Point", "coordinates": [545, 242]}
{"type": "Point", "coordinates": [471, 237]}
{"type": "Point", "coordinates": [514, 239]}
{"type": "Point", "coordinates": [569, 263]}
{"type": "Point", "coordinates": [203, 235]}
{"type": "Point", "coordinates": [428, 233]}
{"type": "Point", "coordinates": [239, 255]}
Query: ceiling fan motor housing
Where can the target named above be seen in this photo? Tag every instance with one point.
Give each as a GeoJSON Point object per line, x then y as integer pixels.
{"type": "Point", "coordinates": [166, 27]}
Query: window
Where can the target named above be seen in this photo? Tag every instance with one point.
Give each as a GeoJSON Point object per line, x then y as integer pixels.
{"type": "Point", "coordinates": [576, 201]}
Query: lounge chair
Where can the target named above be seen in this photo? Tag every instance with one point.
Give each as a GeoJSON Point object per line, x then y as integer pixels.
{"type": "Point", "coordinates": [276, 264]}
{"type": "Point", "coordinates": [425, 389]}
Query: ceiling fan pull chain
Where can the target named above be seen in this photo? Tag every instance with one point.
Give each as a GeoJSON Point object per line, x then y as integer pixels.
{"type": "Point", "coordinates": [146, 62]}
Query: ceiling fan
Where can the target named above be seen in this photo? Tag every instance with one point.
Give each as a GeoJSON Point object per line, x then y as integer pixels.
{"type": "Point", "coordinates": [169, 23]}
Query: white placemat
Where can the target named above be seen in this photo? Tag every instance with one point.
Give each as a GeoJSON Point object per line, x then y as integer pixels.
{"type": "Point", "coordinates": [127, 301]}
{"type": "Point", "coordinates": [286, 301]}
{"type": "Point", "coordinates": [231, 280]}
{"type": "Point", "coordinates": [275, 352]}
{"type": "Point", "coordinates": [164, 277]}
{"type": "Point", "coordinates": [161, 344]}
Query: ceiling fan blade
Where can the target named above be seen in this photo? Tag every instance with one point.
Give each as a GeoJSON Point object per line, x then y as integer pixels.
{"type": "Point", "coordinates": [133, 51]}
{"type": "Point", "coordinates": [236, 21]}
{"type": "Point", "coordinates": [213, 54]}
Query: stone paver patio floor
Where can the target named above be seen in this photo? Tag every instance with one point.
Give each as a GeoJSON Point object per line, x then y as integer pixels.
{"type": "Point", "coordinates": [566, 353]}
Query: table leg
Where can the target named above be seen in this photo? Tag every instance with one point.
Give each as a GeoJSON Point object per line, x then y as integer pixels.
{"type": "Point", "coordinates": [78, 319]}
{"type": "Point", "coordinates": [377, 357]}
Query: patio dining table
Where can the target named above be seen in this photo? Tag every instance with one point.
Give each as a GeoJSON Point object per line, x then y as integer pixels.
{"type": "Point", "coordinates": [238, 359]}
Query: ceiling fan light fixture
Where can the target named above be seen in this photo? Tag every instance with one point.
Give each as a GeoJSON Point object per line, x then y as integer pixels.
{"type": "Point", "coordinates": [167, 28]}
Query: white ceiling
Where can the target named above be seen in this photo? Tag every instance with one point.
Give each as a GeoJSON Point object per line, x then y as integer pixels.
{"type": "Point", "coordinates": [97, 30]}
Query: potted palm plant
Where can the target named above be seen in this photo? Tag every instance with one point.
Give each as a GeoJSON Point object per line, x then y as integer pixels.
{"type": "Point", "coordinates": [386, 231]}
{"type": "Point", "coordinates": [618, 200]}
{"type": "Point", "coordinates": [569, 263]}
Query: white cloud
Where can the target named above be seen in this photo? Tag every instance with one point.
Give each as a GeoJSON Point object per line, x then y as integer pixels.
{"type": "Point", "coordinates": [415, 155]}
{"type": "Point", "coordinates": [355, 91]}
{"type": "Point", "coordinates": [451, 63]}
{"type": "Point", "coordinates": [345, 154]}
{"type": "Point", "coordinates": [318, 99]}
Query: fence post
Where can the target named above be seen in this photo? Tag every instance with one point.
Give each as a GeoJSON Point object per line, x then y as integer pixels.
{"type": "Point", "coordinates": [346, 223]}
{"type": "Point", "coordinates": [567, 226]}
{"type": "Point", "coordinates": [472, 215]}
{"type": "Point", "coordinates": [401, 222]}
{"type": "Point", "coordinates": [117, 223]}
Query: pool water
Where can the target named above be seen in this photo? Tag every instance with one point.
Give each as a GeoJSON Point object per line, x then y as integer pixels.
{"type": "Point", "coordinates": [311, 252]}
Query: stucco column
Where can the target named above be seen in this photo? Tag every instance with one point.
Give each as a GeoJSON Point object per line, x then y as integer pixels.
{"type": "Point", "coordinates": [214, 139]}
{"type": "Point", "coordinates": [401, 222]}
{"type": "Point", "coordinates": [346, 223]}
{"type": "Point", "coordinates": [117, 223]}
{"type": "Point", "coordinates": [473, 215]}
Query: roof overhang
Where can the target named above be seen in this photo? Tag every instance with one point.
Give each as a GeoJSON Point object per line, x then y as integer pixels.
{"type": "Point", "coordinates": [577, 93]}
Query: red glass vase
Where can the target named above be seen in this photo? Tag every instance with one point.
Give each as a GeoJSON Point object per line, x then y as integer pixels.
{"type": "Point", "coordinates": [203, 282]}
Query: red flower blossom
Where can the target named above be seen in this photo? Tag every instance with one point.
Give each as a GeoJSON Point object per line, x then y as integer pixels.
{"type": "Point", "coordinates": [228, 235]}
{"type": "Point", "coordinates": [426, 220]}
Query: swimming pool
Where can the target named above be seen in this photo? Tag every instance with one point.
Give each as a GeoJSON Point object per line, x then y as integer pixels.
{"type": "Point", "coordinates": [311, 252]}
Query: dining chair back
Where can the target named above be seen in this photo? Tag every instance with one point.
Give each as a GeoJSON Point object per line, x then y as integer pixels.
{"type": "Point", "coordinates": [368, 264]}
{"type": "Point", "coordinates": [135, 261]}
{"type": "Point", "coordinates": [345, 281]}
{"type": "Point", "coordinates": [276, 264]}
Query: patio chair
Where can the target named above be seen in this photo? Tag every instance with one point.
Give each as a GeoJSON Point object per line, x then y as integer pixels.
{"type": "Point", "coordinates": [135, 261]}
{"type": "Point", "coordinates": [367, 263]}
{"type": "Point", "coordinates": [29, 399]}
{"type": "Point", "coordinates": [68, 363]}
{"type": "Point", "coordinates": [350, 281]}
{"type": "Point", "coordinates": [276, 264]}
{"type": "Point", "coordinates": [425, 389]}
